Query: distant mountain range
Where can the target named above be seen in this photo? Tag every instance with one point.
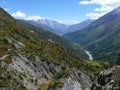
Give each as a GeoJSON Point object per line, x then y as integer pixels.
{"type": "Point", "coordinates": [59, 28]}
{"type": "Point", "coordinates": [101, 37]}
{"type": "Point", "coordinates": [79, 26]}
{"type": "Point", "coordinates": [75, 49]}
{"type": "Point", "coordinates": [50, 25]}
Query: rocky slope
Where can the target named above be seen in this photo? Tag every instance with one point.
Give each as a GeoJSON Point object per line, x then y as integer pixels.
{"type": "Point", "coordinates": [108, 80]}
{"type": "Point", "coordinates": [26, 73]}
{"type": "Point", "coordinates": [31, 62]}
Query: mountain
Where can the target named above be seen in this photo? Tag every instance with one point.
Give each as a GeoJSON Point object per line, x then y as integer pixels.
{"type": "Point", "coordinates": [74, 48]}
{"type": "Point", "coordinates": [58, 28]}
{"type": "Point", "coordinates": [50, 25]}
{"type": "Point", "coordinates": [31, 62]}
{"type": "Point", "coordinates": [101, 37]}
{"type": "Point", "coordinates": [79, 26]}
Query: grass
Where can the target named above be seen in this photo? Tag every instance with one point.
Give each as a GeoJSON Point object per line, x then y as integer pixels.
{"type": "Point", "coordinates": [8, 60]}
{"type": "Point", "coordinates": [55, 81]}
{"type": "Point", "coordinates": [45, 85]}
{"type": "Point", "coordinates": [51, 84]}
{"type": "Point", "coordinates": [61, 74]}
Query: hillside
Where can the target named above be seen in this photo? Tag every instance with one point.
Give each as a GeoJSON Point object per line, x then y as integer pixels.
{"type": "Point", "coordinates": [58, 28]}
{"type": "Point", "coordinates": [79, 26]}
{"type": "Point", "coordinates": [50, 25]}
{"type": "Point", "coordinates": [72, 47]}
{"type": "Point", "coordinates": [31, 62]}
{"type": "Point", "coordinates": [101, 37]}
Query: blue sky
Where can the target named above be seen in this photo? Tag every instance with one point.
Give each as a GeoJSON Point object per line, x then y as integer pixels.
{"type": "Point", "coordinates": [66, 11]}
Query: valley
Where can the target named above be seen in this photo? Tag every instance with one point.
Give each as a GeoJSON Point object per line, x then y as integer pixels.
{"type": "Point", "coordinates": [57, 27]}
{"type": "Point", "coordinates": [40, 53]}
{"type": "Point", "coordinates": [29, 61]}
{"type": "Point", "coordinates": [101, 37]}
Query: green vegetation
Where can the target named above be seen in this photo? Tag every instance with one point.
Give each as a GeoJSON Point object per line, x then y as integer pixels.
{"type": "Point", "coordinates": [118, 60]}
{"type": "Point", "coordinates": [70, 46]}
{"type": "Point", "coordinates": [51, 84]}
{"type": "Point", "coordinates": [16, 39]}
{"type": "Point", "coordinates": [4, 82]}
{"type": "Point", "coordinates": [61, 74]}
{"type": "Point", "coordinates": [102, 37]}
{"type": "Point", "coordinates": [56, 81]}
{"type": "Point", "coordinates": [54, 84]}
{"type": "Point", "coordinates": [8, 60]}
{"type": "Point", "coordinates": [45, 86]}
{"type": "Point", "coordinates": [38, 46]}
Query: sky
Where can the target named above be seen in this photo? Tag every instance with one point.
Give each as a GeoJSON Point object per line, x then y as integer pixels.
{"type": "Point", "coordinates": [64, 11]}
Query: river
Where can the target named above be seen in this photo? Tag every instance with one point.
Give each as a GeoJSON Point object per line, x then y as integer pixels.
{"type": "Point", "coordinates": [88, 53]}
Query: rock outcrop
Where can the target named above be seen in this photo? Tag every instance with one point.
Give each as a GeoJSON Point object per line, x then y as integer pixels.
{"type": "Point", "coordinates": [33, 72]}
{"type": "Point", "coordinates": [108, 80]}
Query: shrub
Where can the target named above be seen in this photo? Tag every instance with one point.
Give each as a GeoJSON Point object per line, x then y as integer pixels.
{"type": "Point", "coordinates": [61, 74]}
{"type": "Point", "coordinates": [55, 84]}
{"type": "Point", "coordinates": [8, 60]}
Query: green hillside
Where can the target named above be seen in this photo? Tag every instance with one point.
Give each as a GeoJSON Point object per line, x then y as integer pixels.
{"type": "Point", "coordinates": [74, 48]}
{"type": "Point", "coordinates": [101, 37]}
{"type": "Point", "coordinates": [34, 45]}
{"type": "Point", "coordinates": [19, 49]}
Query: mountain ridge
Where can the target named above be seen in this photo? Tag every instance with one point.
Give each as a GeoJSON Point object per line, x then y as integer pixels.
{"type": "Point", "coordinates": [100, 36]}
{"type": "Point", "coordinates": [58, 28]}
{"type": "Point", "coordinates": [50, 25]}
{"type": "Point", "coordinates": [79, 26]}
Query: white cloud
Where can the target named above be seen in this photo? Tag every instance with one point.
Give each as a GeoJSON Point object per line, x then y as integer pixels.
{"type": "Point", "coordinates": [22, 15]}
{"type": "Point", "coordinates": [84, 2]}
{"type": "Point", "coordinates": [69, 22]}
{"type": "Point", "coordinates": [34, 18]}
{"type": "Point", "coordinates": [95, 15]}
{"type": "Point", "coordinates": [101, 2]}
{"type": "Point", "coordinates": [105, 6]}
{"type": "Point", "coordinates": [104, 9]}
{"type": "Point", "coordinates": [19, 14]}
{"type": "Point", "coordinates": [6, 9]}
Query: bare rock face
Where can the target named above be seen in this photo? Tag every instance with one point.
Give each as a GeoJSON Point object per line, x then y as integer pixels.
{"type": "Point", "coordinates": [72, 85]}
{"type": "Point", "coordinates": [32, 72]}
{"type": "Point", "coordinates": [108, 80]}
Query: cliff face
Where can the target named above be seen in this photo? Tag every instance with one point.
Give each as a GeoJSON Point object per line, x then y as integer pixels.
{"type": "Point", "coordinates": [108, 80]}
{"type": "Point", "coordinates": [34, 73]}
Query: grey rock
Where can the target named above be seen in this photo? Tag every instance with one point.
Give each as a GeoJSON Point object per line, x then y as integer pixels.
{"type": "Point", "coordinates": [108, 80]}
{"type": "Point", "coordinates": [42, 71]}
